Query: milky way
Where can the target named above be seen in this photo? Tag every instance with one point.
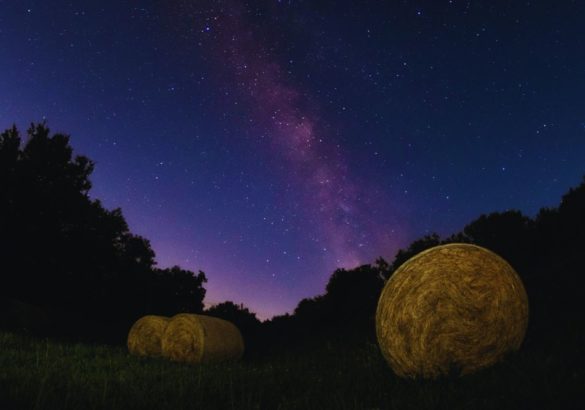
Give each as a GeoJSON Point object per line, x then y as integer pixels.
{"type": "Point", "coordinates": [340, 206]}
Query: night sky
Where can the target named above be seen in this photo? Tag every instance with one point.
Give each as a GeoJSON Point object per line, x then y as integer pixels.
{"type": "Point", "coordinates": [269, 142]}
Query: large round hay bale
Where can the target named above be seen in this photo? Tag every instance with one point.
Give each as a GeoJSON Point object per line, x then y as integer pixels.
{"type": "Point", "coordinates": [144, 338]}
{"type": "Point", "coordinates": [452, 308]}
{"type": "Point", "coordinates": [194, 338]}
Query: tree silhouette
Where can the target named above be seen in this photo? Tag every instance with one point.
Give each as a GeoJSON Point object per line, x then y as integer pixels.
{"type": "Point", "coordinates": [179, 290]}
{"type": "Point", "coordinates": [509, 234]}
{"type": "Point", "coordinates": [352, 296]}
{"type": "Point", "coordinates": [416, 247]}
{"type": "Point", "coordinates": [63, 251]}
{"type": "Point", "coordinates": [558, 260]}
{"type": "Point", "coordinates": [346, 310]}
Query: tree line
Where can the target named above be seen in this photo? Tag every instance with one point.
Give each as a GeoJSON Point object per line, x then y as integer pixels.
{"type": "Point", "coordinates": [64, 253]}
{"type": "Point", "coordinates": [547, 251]}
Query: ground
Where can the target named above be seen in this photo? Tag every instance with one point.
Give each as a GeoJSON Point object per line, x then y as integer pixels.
{"type": "Point", "coordinates": [45, 374]}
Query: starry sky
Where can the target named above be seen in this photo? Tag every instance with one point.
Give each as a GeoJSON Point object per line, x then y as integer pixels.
{"type": "Point", "coordinates": [270, 142]}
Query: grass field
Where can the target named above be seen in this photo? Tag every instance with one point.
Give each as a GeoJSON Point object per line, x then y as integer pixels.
{"type": "Point", "coordinates": [43, 374]}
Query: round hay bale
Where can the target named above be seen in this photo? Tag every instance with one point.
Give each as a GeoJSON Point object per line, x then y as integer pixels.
{"type": "Point", "coordinates": [194, 339]}
{"type": "Point", "coordinates": [144, 338]}
{"type": "Point", "coordinates": [452, 308]}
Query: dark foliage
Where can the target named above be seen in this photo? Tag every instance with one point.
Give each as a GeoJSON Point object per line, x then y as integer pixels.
{"type": "Point", "coordinates": [344, 314]}
{"type": "Point", "coordinates": [416, 247]}
{"type": "Point", "coordinates": [65, 253]}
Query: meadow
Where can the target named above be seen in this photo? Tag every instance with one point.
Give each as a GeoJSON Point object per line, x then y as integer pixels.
{"type": "Point", "coordinates": [40, 373]}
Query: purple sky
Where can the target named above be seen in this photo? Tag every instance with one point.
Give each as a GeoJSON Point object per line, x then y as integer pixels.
{"type": "Point", "coordinates": [269, 142]}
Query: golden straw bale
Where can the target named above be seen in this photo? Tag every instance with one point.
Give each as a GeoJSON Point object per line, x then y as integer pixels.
{"type": "Point", "coordinates": [144, 338]}
{"type": "Point", "coordinates": [194, 338]}
{"type": "Point", "coordinates": [456, 307]}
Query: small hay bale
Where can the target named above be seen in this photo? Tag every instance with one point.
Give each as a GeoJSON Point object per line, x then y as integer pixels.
{"type": "Point", "coordinates": [452, 308]}
{"type": "Point", "coordinates": [144, 338]}
{"type": "Point", "coordinates": [194, 339]}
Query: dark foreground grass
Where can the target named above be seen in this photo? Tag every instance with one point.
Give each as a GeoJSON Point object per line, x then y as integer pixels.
{"type": "Point", "coordinates": [42, 374]}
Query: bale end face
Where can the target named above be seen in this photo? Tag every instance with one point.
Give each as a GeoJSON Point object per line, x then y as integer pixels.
{"type": "Point", "coordinates": [456, 306]}
{"type": "Point", "coordinates": [144, 338]}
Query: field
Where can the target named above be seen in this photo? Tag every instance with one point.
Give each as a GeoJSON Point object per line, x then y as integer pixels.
{"type": "Point", "coordinates": [44, 374]}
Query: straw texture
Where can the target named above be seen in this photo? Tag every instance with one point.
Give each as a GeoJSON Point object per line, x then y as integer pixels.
{"type": "Point", "coordinates": [144, 338]}
{"type": "Point", "coordinates": [194, 339]}
{"type": "Point", "coordinates": [452, 308]}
